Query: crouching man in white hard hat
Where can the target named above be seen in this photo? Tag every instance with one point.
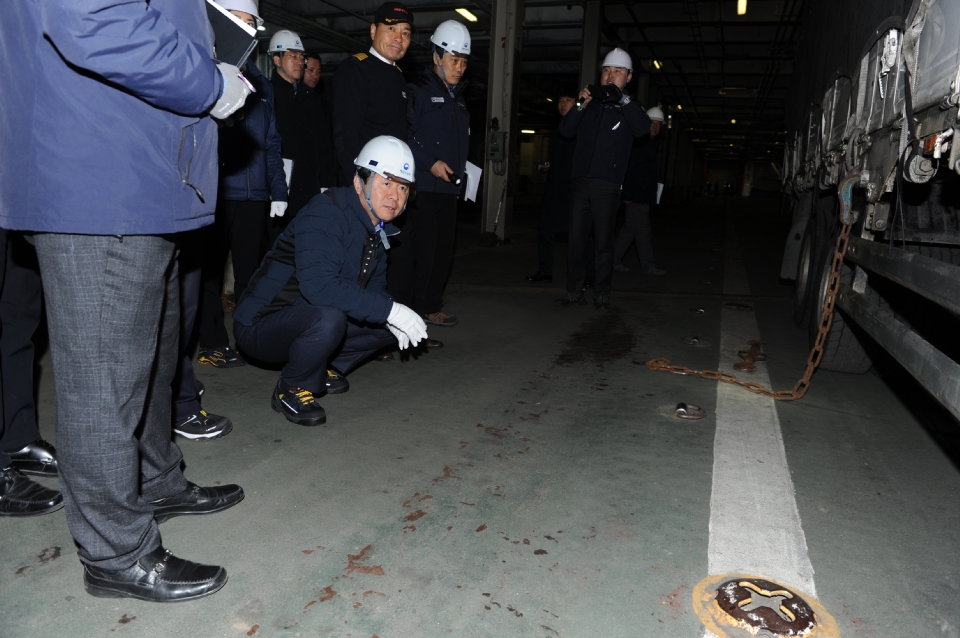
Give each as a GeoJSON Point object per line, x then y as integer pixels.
{"type": "Point", "coordinates": [605, 126]}
{"type": "Point", "coordinates": [319, 299]}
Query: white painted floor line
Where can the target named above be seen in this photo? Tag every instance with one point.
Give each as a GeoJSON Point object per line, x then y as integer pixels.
{"type": "Point", "coordinates": [754, 522]}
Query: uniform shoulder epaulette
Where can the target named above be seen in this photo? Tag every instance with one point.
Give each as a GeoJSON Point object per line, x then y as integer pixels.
{"type": "Point", "coordinates": [361, 56]}
{"type": "Point", "coordinates": [398, 68]}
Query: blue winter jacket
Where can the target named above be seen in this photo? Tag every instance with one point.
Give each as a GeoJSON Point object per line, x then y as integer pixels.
{"type": "Point", "coordinates": [251, 166]}
{"type": "Point", "coordinates": [103, 126]}
{"type": "Point", "coordinates": [318, 259]}
{"type": "Point", "coordinates": [438, 128]}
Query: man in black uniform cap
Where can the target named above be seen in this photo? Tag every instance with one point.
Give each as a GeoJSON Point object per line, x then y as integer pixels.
{"type": "Point", "coordinates": [369, 92]}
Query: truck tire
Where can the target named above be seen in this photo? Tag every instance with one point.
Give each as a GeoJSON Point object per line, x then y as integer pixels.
{"type": "Point", "coordinates": [806, 274]}
{"type": "Point", "coordinates": [842, 349]}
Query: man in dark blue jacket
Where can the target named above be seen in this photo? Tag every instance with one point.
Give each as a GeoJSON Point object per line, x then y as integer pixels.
{"type": "Point", "coordinates": [556, 199]}
{"type": "Point", "coordinates": [108, 109]}
{"type": "Point", "coordinates": [641, 191]}
{"type": "Point", "coordinates": [252, 180]}
{"type": "Point", "coordinates": [438, 131]}
{"type": "Point", "coordinates": [319, 298]}
{"type": "Point", "coordinates": [605, 134]}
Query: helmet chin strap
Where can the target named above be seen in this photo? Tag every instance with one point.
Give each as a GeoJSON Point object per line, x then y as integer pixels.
{"type": "Point", "coordinates": [367, 189]}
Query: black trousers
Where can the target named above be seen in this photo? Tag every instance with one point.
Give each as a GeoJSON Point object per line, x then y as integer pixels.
{"type": "Point", "coordinates": [239, 227]}
{"type": "Point", "coordinates": [20, 308]}
{"type": "Point", "coordinates": [185, 391]}
{"type": "Point", "coordinates": [309, 339]}
{"type": "Point", "coordinates": [593, 202]}
{"type": "Point", "coordinates": [421, 255]}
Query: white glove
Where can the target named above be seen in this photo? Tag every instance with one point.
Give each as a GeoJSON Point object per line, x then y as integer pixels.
{"type": "Point", "coordinates": [235, 91]}
{"type": "Point", "coordinates": [402, 339]}
{"type": "Point", "coordinates": [277, 209]}
{"type": "Point", "coordinates": [408, 322]}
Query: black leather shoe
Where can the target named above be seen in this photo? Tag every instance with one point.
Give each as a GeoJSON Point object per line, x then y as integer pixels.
{"type": "Point", "coordinates": [19, 496]}
{"type": "Point", "coordinates": [197, 500]}
{"type": "Point", "coordinates": [601, 302]}
{"type": "Point", "coordinates": [434, 343]}
{"type": "Point", "coordinates": [572, 300]}
{"type": "Point", "coordinates": [539, 276]}
{"type": "Point", "coordinates": [158, 577]}
{"type": "Point", "coordinates": [39, 458]}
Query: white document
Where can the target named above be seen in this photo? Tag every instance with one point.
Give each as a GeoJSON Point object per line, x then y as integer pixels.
{"type": "Point", "coordinates": [288, 169]}
{"type": "Point", "coordinates": [473, 182]}
{"type": "Point", "coordinates": [659, 190]}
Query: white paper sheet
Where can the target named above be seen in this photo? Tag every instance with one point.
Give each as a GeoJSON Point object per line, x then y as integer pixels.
{"type": "Point", "coordinates": [473, 182]}
{"type": "Point", "coordinates": [288, 169]}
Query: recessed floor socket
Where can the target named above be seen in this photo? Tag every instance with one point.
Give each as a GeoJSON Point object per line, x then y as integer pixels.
{"type": "Point", "coordinates": [734, 305]}
{"type": "Point", "coordinates": [734, 605]}
{"type": "Point", "coordinates": [698, 311]}
{"type": "Point", "coordinates": [694, 341]}
{"type": "Point", "coordinates": [683, 411]}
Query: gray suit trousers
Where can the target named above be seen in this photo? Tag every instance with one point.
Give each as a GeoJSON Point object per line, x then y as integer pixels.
{"type": "Point", "coordinates": [114, 313]}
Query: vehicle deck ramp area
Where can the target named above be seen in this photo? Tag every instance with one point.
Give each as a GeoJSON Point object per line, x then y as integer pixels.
{"type": "Point", "coordinates": [532, 478]}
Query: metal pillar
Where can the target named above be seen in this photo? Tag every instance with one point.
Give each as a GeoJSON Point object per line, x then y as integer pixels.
{"type": "Point", "coordinates": [500, 173]}
{"type": "Point", "coordinates": [590, 58]}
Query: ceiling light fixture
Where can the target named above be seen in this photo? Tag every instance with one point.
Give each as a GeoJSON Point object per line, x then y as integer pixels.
{"type": "Point", "coordinates": [679, 107]}
{"type": "Point", "coordinates": [472, 18]}
{"type": "Point", "coordinates": [527, 131]}
{"type": "Point", "coordinates": [733, 121]}
{"type": "Point", "coordinates": [657, 64]}
{"type": "Point", "coordinates": [741, 7]}
{"type": "Point", "coordinates": [549, 99]}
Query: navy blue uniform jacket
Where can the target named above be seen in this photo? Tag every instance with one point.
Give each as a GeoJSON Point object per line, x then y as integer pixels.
{"type": "Point", "coordinates": [317, 260]}
{"type": "Point", "coordinates": [369, 99]}
{"type": "Point", "coordinates": [438, 128]}
{"type": "Point", "coordinates": [251, 166]}
{"type": "Point", "coordinates": [640, 185]}
{"type": "Point", "coordinates": [605, 134]}
{"type": "Point", "coordinates": [103, 126]}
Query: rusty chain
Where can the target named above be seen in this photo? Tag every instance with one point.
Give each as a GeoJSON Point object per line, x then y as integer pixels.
{"type": "Point", "coordinates": [826, 320]}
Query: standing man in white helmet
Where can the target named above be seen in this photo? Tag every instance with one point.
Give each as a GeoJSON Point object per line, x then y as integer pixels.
{"type": "Point", "coordinates": [319, 299]}
{"type": "Point", "coordinates": [369, 92]}
{"type": "Point", "coordinates": [639, 193]}
{"type": "Point", "coordinates": [301, 121]}
{"type": "Point", "coordinates": [252, 182]}
{"type": "Point", "coordinates": [438, 131]}
{"type": "Point", "coordinates": [605, 127]}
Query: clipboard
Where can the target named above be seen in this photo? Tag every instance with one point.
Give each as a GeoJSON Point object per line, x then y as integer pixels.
{"type": "Point", "coordinates": [234, 39]}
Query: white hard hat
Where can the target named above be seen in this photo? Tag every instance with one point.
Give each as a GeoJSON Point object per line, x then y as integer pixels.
{"type": "Point", "coordinates": [389, 157]}
{"type": "Point", "coordinates": [452, 36]}
{"type": "Point", "coordinates": [285, 40]}
{"type": "Point", "coordinates": [618, 57]}
{"type": "Point", "coordinates": [247, 6]}
{"type": "Point", "coordinates": [655, 113]}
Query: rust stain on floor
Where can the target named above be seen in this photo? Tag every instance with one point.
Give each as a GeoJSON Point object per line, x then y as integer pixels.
{"type": "Point", "coordinates": [414, 516]}
{"type": "Point", "coordinates": [447, 474]}
{"type": "Point", "coordinates": [329, 592]}
{"type": "Point", "coordinates": [354, 564]}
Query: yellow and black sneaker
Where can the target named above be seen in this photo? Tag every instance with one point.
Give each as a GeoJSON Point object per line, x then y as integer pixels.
{"type": "Point", "coordinates": [336, 383]}
{"type": "Point", "coordinates": [223, 357]}
{"type": "Point", "coordinates": [298, 405]}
